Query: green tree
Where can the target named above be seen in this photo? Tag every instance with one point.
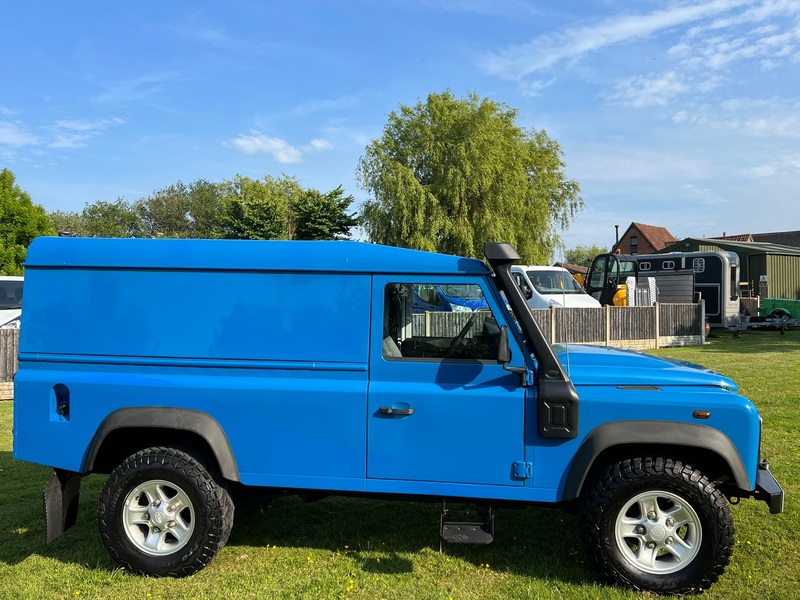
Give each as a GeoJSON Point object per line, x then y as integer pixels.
{"type": "Point", "coordinates": [320, 216]}
{"type": "Point", "coordinates": [182, 211]}
{"type": "Point", "coordinates": [449, 174]}
{"type": "Point", "coordinates": [111, 219]}
{"type": "Point", "coordinates": [67, 221]}
{"type": "Point", "coordinates": [259, 209]}
{"type": "Point", "coordinates": [583, 255]}
{"type": "Point", "coordinates": [20, 222]}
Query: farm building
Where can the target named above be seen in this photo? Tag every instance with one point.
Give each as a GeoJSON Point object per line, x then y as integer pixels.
{"type": "Point", "coordinates": [768, 270]}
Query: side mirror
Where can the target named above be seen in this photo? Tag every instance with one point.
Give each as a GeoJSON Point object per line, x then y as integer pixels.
{"type": "Point", "coordinates": [504, 357]}
{"type": "Point", "coordinates": [526, 291]}
{"type": "Point", "coordinates": [503, 350]}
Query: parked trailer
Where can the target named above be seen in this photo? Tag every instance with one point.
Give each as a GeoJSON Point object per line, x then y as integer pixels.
{"type": "Point", "coordinates": [679, 276]}
{"type": "Point", "coordinates": [716, 279]}
{"type": "Point", "coordinates": [611, 276]}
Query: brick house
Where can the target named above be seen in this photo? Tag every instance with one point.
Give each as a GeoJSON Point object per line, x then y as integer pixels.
{"type": "Point", "coordinates": [643, 239]}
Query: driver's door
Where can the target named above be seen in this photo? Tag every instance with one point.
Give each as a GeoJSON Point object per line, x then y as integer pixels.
{"type": "Point", "coordinates": [440, 408]}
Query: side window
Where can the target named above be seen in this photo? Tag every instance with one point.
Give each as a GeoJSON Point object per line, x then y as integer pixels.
{"type": "Point", "coordinates": [460, 327]}
{"type": "Point", "coordinates": [599, 273]}
{"type": "Point", "coordinates": [519, 279]}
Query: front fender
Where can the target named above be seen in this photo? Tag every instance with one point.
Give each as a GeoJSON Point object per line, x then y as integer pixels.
{"type": "Point", "coordinates": [651, 433]}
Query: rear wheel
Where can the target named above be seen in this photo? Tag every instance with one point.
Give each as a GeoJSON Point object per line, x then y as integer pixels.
{"type": "Point", "coordinates": [161, 513]}
{"type": "Point", "coordinates": [657, 524]}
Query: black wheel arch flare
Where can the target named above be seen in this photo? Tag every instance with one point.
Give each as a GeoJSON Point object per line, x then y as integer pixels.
{"type": "Point", "coordinates": [686, 436]}
{"type": "Point", "coordinates": [167, 418]}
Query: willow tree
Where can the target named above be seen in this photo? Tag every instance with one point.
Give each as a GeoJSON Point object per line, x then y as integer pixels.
{"type": "Point", "coordinates": [450, 174]}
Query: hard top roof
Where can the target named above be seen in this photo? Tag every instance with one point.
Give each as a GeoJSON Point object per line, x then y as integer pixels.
{"type": "Point", "coordinates": [257, 255]}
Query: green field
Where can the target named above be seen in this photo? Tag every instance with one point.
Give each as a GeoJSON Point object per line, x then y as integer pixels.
{"type": "Point", "coordinates": [352, 548]}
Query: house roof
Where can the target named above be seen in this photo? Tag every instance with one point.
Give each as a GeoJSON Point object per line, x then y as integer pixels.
{"type": "Point", "coordinates": [657, 237]}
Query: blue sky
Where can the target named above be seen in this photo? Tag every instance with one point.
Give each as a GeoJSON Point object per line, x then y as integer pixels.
{"type": "Point", "coordinates": [684, 114]}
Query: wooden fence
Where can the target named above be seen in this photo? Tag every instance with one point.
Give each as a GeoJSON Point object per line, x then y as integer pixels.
{"type": "Point", "coordinates": [639, 327]}
{"type": "Point", "coordinates": [9, 348]}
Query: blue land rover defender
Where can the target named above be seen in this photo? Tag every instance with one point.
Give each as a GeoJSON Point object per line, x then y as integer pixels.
{"type": "Point", "coordinates": [184, 367]}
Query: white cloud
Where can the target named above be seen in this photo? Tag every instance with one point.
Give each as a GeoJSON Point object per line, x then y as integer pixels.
{"type": "Point", "coordinates": [87, 125]}
{"type": "Point", "coordinates": [281, 150]}
{"type": "Point", "coordinates": [548, 50]}
{"type": "Point", "coordinates": [318, 145]}
{"type": "Point", "coordinates": [77, 133]}
{"type": "Point", "coordinates": [657, 90]}
{"type": "Point", "coordinates": [608, 164]}
{"type": "Point", "coordinates": [325, 105]}
{"type": "Point", "coordinates": [778, 126]}
{"type": "Point", "coordinates": [63, 134]}
{"type": "Point", "coordinates": [535, 88]}
{"type": "Point", "coordinates": [14, 134]}
{"type": "Point", "coordinates": [752, 117]}
{"type": "Point", "coordinates": [762, 171]}
{"type": "Point", "coordinates": [507, 8]}
{"type": "Point", "coordinates": [710, 46]}
{"type": "Point", "coordinates": [792, 161]}
{"type": "Point", "coordinates": [136, 88]}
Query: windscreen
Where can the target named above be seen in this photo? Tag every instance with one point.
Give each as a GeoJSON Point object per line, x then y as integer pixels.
{"type": "Point", "coordinates": [10, 294]}
{"type": "Point", "coordinates": [554, 282]}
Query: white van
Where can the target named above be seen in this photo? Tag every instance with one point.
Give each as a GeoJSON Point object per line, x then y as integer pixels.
{"type": "Point", "coordinates": [10, 301]}
{"type": "Point", "coordinates": [551, 286]}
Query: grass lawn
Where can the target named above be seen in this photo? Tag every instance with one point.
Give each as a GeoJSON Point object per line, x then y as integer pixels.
{"type": "Point", "coordinates": [353, 548]}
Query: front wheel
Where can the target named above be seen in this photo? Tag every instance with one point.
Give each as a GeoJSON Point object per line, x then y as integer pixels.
{"type": "Point", "coordinates": [161, 513]}
{"type": "Point", "coordinates": [657, 524]}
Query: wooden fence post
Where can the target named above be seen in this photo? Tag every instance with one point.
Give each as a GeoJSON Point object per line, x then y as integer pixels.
{"type": "Point", "coordinates": [657, 308]}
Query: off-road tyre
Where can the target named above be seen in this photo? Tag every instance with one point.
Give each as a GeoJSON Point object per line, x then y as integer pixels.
{"type": "Point", "coordinates": [616, 535]}
{"type": "Point", "coordinates": [162, 513]}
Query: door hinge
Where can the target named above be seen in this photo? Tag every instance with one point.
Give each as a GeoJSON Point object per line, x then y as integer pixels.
{"type": "Point", "coordinates": [522, 470]}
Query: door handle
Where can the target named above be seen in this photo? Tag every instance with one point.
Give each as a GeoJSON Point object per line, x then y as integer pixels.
{"type": "Point", "coordinates": [388, 410]}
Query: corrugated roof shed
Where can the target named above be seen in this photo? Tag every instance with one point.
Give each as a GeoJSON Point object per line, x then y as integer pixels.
{"type": "Point", "coordinates": [771, 270]}
{"type": "Point", "coordinates": [783, 238]}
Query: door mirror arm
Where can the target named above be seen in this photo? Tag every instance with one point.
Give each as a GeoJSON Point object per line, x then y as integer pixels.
{"type": "Point", "coordinates": [504, 357]}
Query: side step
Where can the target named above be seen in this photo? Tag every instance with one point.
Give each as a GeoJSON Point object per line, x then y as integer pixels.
{"type": "Point", "coordinates": [467, 525]}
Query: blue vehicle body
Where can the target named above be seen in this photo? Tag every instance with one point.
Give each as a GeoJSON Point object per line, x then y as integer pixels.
{"type": "Point", "coordinates": [227, 346]}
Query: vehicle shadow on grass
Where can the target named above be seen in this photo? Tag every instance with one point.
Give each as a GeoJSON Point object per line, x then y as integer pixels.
{"type": "Point", "coordinates": [22, 519]}
{"type": "Point", "coordinates": [534, 542]}
{"type": "Point", "coordinates": [382, 537]}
